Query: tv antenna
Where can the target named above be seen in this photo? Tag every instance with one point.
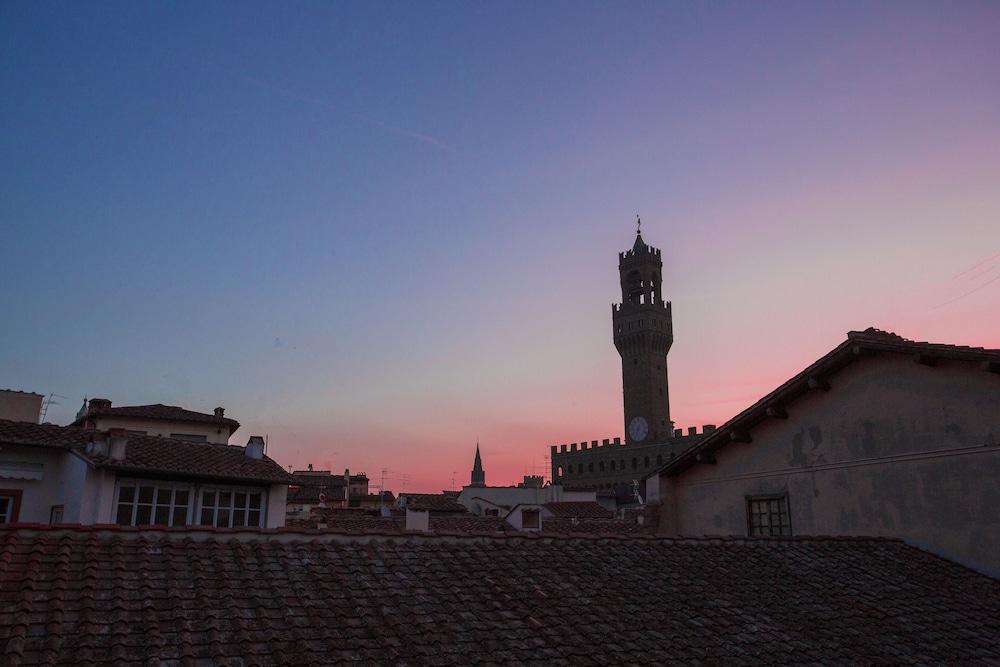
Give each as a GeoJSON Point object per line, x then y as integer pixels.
{"type": "Point", "coordinates": [50, 400]}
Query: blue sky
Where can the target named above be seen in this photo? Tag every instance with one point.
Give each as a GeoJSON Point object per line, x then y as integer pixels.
{"type": "Point", "coordinates": [378, 231]}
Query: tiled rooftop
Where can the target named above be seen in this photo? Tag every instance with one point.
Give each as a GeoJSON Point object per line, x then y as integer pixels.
{"type": "Point", "coordinates": [434, 502]}
{"type": "Point", "coordinates": [86, 596]}
{"type": "Point", "coordinates": [579, 510]}
{"type": "Point", "coordinates": [149, 454]}
{"type": "Point", "coordinates": [161, 412]}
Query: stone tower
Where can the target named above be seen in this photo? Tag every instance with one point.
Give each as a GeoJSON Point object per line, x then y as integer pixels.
{"type": "Point", "coordinates": [643, 333]}
{"type": "Point", "coordinates": [478, 474]}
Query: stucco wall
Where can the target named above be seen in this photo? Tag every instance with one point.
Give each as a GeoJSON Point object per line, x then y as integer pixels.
{"type": "Point", "coordinates": [61, 483]}
{"type": "Point", "coordinates": [509, 496]}
{"type": "Point", "coordinates": [894, 449]}
{"type": "Point", "coordinates": [212, 432]}
{"type": "Point", "coordinates": [276, 505]}
{"type": "Point", "coordinates": [20, 406]}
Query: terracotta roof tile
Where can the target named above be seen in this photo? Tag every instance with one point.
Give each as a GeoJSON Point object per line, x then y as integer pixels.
{"type": "Point", "coordinates": [579, 510]}
{"type": "Point", "coordinates": [161, 412]}
{"type": "Point", "coordinates": [283, 597]}
{"type": "Point", "coordinates": [149, 454]}
{"type": "Point", "coordinates": [434, 502]}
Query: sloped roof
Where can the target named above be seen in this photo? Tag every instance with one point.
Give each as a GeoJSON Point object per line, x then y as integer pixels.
{"type": "Point", "coordinates": [149, 454]}
{"type": "Point", "coordinates": [433, 502]}
{"type": "Point", "coordinates": [160, 412]}
{"type": "Point", "coordinates": [606, 527]}
{"type": "Point", "coordinates": [580, 509]}
{"type": "Point", "coordinates": [98, 595]}
{"type": "Point", "coordinates": [859, 345]}
{"type": "Point", "coordinates": [362, 521]}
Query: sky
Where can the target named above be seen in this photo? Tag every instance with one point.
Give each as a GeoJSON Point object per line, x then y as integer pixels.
{"type": "Point", "coordinates": [381, 232]}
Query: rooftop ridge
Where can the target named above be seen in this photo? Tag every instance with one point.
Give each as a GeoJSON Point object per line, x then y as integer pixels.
{"type": "Point", "coordinates": [333, 534]}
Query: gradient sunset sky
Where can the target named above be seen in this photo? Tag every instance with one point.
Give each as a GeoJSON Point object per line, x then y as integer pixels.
{"type": "Point", "coordinates": [379, 231]}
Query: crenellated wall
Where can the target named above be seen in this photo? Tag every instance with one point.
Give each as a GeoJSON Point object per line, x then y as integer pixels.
{"type": "Point", "coordinates": [610, 463]}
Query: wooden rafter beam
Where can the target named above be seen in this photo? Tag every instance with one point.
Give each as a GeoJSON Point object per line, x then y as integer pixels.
{"type": "Point", "coordinates": [816, 382]}
{"type": "Point", "coordinates": [776, 412]}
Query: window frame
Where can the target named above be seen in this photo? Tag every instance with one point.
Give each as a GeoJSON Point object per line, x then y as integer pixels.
{"type": "Point", "coordinates": [232, 509]}
{"type": "Point", "coordinates": [15, 504]}
{"type": "Point", "coordinates": [157, 484]}
{"type": "Point", "coordinates": [784, 510]}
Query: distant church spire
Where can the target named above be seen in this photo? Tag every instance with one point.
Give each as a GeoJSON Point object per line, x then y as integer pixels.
{"type": "Point", "coordinates": [478, 475]}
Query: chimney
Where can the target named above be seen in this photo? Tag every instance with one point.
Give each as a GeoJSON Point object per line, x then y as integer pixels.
{"type": "Point", "coordinates": [97, 404]}
{"type": "Point", "coordinates": [255, 447]}
{"type": "Point", "coordinates": [219, 412]}
{"type": "Point", "coordinates": [708, 428]}
{"type": "Point", "coordinates": [347, 486]}
{"type": "Point", "coordinates": [310, 467]}
{"type": "Point", "coordinates": [692, 430]}
{"type": "Point", "coordinates": [117, 440]}
{"type": "Point", "coordinates": [419, 520]}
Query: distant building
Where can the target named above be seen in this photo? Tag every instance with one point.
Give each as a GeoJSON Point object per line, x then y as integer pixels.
{"type": "Point", "coordinates": [321, 488]}
{"type": "Point", "coordinates": [167, 421]}
{"type": "Point", "coordinates": [497, 501]}
{"type": "Point", "coordinates": [62, 474]}
{"type": "Point", "coordinates": [20, 406]}
{"type": "Point", "coordinates": [642, 329]}
{"type": "Point", "coordinates": [881, 436]}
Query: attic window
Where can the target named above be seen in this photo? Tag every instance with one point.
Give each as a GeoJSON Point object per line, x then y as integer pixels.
{"type": "Point", "coordinates": [230, 507]}
{"type": "Point", "coordinates": [152, 503]}
{"type": "Point", "coordinates": [768, 516]}
{"type": "Point", "coordinates": [529, 518]}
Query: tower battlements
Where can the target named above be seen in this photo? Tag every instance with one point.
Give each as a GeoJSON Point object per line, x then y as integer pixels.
{"type": "Point", "coordinates": [640, 254]}
{"type": "Point", "coordinates": [614, 444]}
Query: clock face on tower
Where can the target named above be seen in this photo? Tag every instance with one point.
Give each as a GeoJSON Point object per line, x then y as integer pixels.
{"type": "Point", "coordinates": [638, 429]}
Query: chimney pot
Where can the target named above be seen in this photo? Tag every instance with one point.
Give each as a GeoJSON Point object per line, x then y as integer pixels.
{"type": "Point", "coordinates": [418, 520]}
{"type": "Point", "coordinates": [117, 442]}
{"type": "Point", "coordinates": [219, 412]}
{"type": "Point", "coordinates": [255, 447]}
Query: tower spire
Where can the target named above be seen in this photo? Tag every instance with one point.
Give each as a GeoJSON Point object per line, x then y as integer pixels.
{"type": "Point", "coordinates": [478, 474]}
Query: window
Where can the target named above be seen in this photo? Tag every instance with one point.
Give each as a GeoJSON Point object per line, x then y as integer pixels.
{"type": "Point", "coordinates": [56, 514]}
{"type": "Point", "coordinates": [645, 462]}
{"type": "Point", "coordinates": [231, 508]}
{"type": "Point", "coordinates": [635, 463]}
{"type": "Point", "coordinates": [659, 459]}
{"type": "Point", "coordinates": [559, 471]}
{"type": "Point", "coordinates": [189, 437]}
{"type": "Point", "coordinates": [152, 503]}
{"type": "Point", "coordinates": [601, 466]}
{"type": "Point", "coordinates": [493, 512]}
{"type": "Point", "coordinates": [590, 467]}
{"type": "Point", "coordinates": [10, 505]}
{"type": "Point", "coordinates": [529, 518]}
{"type": "Point", "coordinates": [768, 515]}
{"type": "Point", "coordinates": [612, 465]}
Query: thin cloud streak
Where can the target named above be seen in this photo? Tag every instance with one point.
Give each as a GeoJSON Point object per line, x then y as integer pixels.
{"type": "Point", "coordinates": [308, 99]}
